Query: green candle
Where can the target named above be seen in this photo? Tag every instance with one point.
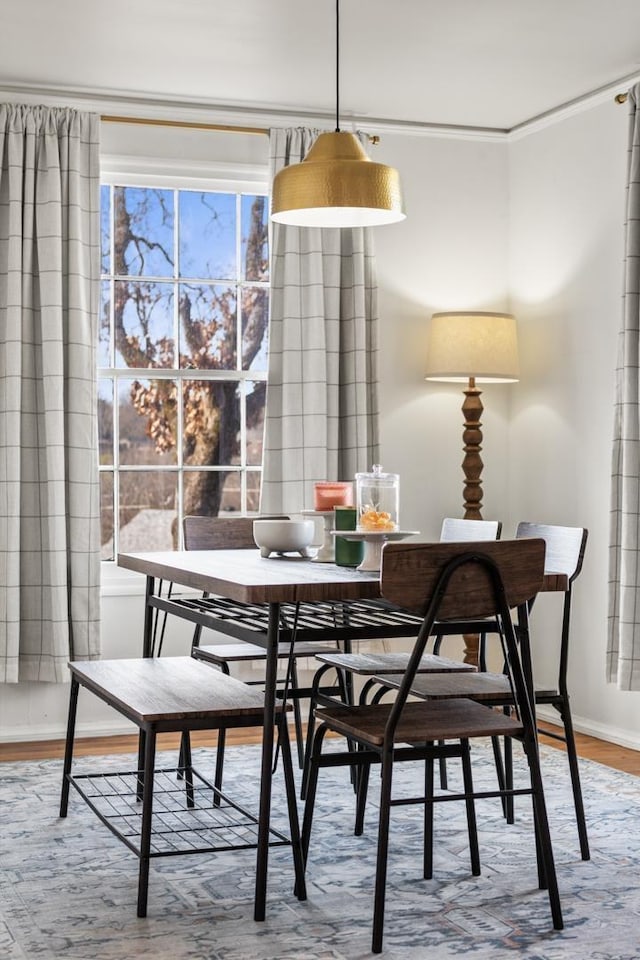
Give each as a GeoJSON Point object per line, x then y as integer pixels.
{"type": "Point", "coordinates": [349, 553]}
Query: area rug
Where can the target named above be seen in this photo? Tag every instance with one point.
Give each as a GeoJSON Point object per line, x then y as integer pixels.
{"type": "Point", "coordinates": [68, 887]}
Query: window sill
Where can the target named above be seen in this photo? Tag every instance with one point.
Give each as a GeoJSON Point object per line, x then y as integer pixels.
{"type": "Point", "coordinates": [118, 582]}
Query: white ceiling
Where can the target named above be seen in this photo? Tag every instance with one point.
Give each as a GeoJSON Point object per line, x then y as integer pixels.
{"type": "Point", "coordinates": [484, 63]}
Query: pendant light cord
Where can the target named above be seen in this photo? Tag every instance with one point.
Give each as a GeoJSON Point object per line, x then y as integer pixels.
{"type": "Point", "coordinates": [337, 66]}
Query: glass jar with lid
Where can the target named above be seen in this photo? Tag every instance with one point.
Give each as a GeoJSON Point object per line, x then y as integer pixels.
{"type": "Point", "coordinates": [377, 500]}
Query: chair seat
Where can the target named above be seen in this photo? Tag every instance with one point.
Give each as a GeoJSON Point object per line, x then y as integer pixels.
{"type": "Point", "coordinates": [239, 652]}
{"type": "Point", "coordinates": [490, 687]}
{"type": "Point", "coordinates": [170, 691]}
{"type": "Point", "coordinates": [421, 721]}
{"type": "Point", "coordinates": [370, 664]}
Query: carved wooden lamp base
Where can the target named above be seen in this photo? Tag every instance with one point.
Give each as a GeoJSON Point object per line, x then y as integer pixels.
{"type": "Point", "coordinates": [472, 344]}
{"type": "Point", "coordinates": [472, 467]}
{"type": "Point", "coordinates": [472, 445]}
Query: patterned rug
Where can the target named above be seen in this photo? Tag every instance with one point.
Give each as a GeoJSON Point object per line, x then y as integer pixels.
{"type": "Point", "coordinates": [68, 887]}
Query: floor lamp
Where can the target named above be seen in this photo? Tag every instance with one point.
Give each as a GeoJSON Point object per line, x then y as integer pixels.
{"type": "Point", "coordinates": [472, 348]}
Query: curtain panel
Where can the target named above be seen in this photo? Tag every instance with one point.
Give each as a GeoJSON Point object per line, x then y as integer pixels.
{"type": "Point", "coordinates": [623, 648]}
{"type": "Point", "coordinates": [321, 419]}
{"type": "Point", "coordinates": [49, 490]}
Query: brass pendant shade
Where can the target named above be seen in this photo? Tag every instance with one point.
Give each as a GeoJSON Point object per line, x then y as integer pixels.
{"type": "Point", "coordinates": [337, 185]}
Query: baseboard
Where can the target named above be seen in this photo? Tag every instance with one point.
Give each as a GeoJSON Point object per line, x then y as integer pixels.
{"type": "Point", "coordinates": [119, 727]}
{"type": "Point", "coordinates": [601, 731]}
{"type": "Point", "coordinates": [52, 732]}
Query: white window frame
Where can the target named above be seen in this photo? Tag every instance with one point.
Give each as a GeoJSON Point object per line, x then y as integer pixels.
{"type": "Point", "coordinates": [174, 175]}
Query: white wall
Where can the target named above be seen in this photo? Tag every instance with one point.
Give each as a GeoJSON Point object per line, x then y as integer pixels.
{"type": "Point", "coordinates": [534, 226]}
{"type": "Point", "coordinates": [450, 253]}
{"type": "Point", "coordinates": [566, 193]}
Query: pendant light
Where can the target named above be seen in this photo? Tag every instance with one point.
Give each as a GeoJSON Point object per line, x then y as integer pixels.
{"type": "Point", "coordinates": [337, 185]}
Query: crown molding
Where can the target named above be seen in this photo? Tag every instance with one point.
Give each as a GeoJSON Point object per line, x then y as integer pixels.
{"type": "Point", "coordinates": [135, 105]}
{"type": "Point", "coordinates": [571, 108]}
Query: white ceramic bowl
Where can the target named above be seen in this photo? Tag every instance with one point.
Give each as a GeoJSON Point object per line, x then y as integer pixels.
{"type": "Point", "coordinates": [283, 536]}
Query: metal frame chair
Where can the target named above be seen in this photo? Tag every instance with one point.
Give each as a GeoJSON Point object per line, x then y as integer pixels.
{"type": "Point", "coordinates": [565, 548]}
{"type": "Point", "coordinates": [460, 582]}
{"type": "Point", "coordinates": [372, 666]}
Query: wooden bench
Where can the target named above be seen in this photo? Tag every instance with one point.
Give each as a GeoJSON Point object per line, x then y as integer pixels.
{"type": "Point", "coordinates": [161, 695]}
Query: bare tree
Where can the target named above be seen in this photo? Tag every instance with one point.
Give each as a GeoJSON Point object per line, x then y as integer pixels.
{"type": "Point", "coordinates": [210, 407]}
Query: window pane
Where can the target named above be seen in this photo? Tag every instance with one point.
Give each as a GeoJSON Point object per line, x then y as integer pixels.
{"type": "Point", "coordinates": [105, 356]}
{"type": "Point", "coordinates": [184, 298]}
{"type": "Point", "coordinates": [255, 233]}
{"type": "Point", "coordinates": [105, 420]}
{"type": "Point", "coordinates": [255, 404]}
{"type": "Point", "coordinates": [203, 492]}
{"type": "Point", "coordinates": [147, 415]}
{"type": "Point", "coordinates": [231, 494]}
{"type": "Point", "coordinates": [255, 328]}
{"type": "Point", "coordinates": [105, 228]}
{"type": "Point", "coordinates": [254, 481]}
{"type": "Point", "coordinates": [143, 324]}
{"type": "Point", "coordinates": [211, 422]}
{"type": "Point", "coordinates": [106, 515]}
{"type": "Point", "coordinates": [143, 232]}
{"type": "Point", "coordinates": [207, 327]}
{"type": "Point", "coordinates": [147, 514]}
{"type": "Point", "coordinates": [207, 235]}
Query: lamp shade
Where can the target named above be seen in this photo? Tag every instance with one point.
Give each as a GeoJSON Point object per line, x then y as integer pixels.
{"type": "Point", "coordinates": [336, 185]}
{"type": "Point", "coordinates": [479, 345]}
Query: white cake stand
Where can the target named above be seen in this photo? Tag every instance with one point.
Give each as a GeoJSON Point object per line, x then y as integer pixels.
{"type": "Point", "coordinates": [327, 552]}
{"type": "Point", "coordinates": [373, 544]}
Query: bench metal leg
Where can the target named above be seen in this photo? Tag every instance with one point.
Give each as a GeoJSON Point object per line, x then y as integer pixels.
{"type": "Point", "coordinates": [187, 768]}
{"type": "Point", "coordinates": [147, 814]}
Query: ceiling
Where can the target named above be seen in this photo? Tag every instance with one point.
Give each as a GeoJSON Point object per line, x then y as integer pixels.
{"type": "Point", "coordinates": [472, 63]}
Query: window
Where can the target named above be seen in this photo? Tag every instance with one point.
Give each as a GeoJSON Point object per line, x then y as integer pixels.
{"type": "Point", "coordinates": [182, 360]}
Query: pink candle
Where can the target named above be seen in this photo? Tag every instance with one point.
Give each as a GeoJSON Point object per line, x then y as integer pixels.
{"type": "Point", "coordinates": [328, 494]}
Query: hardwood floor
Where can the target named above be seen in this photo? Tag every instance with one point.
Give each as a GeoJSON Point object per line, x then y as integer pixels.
{"type": "Point", "coordinates": [610, 754]}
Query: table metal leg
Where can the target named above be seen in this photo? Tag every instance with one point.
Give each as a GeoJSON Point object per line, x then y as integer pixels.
{"type": "Point", "coordinates": [267, 760]}
{"type": "Point", "coordinates": [68, 750]}
{"type": "Point", "coordinates": [147, 636]}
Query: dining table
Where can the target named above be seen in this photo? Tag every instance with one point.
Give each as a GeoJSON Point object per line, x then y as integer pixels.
{"type": "Point", "coordinates": [265, 600]}
{"type": "Point", "coordinates": [241, 594]}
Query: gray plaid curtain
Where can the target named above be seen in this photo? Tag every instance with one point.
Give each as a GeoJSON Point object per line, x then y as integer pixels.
{"type": "Point", "coordinates": [623, 649]}
{"type": "Point", "coordinates": [322, 395]}
{"type": "Point", "coordinates": [49, 493]}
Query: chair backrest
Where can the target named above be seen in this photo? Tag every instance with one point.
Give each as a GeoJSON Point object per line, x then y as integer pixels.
{"type": "Point", "coordinates": [564, 556]}
{"type": "Point", "coordinates": [411, 572]}
{"type": "Point", "coordinates": [465, 581]}
{"type": "Point", "coordinates": [220, 533]}
{"type": "Point", "coordinates": [459, 530]}
{"type": "Point", "coordinates": [565, 546]}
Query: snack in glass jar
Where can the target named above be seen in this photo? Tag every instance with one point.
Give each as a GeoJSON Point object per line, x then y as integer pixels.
{"type": "Point", "coordinates": [376, 521]}
{"type": "Point", "coordinates": [377, 501]}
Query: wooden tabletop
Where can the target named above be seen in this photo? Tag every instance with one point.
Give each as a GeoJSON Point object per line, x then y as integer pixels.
{"type": "Point", "coordinates": [245, 576]}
